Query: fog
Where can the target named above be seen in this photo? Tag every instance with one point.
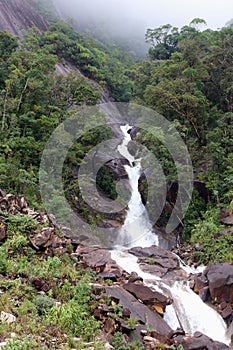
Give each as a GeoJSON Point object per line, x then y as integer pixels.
{"type": "Point", "coordinates": [131, 18]}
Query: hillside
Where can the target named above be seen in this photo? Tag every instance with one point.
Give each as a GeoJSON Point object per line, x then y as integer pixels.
{"type": "Point", "coordinates": [60, 282]}
{"type": "Point", "coordinates": [17, 16]}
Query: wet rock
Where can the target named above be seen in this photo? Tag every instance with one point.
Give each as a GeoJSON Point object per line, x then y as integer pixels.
{"type": "Point", "coordinates": [153, 269]}
{"type": "Point", "coordinates": [200, 281]}
{"type": "Point", "coordinates": [204, 294]}
{"type": "Point", "coordinates": [147, 296]}
{"type": "Point", "coordinates": [118, 166]}
{"type": "Point", "coordinates": [220, 281]}
{"type": "Point", "coordinates": [139, 311]}
{"type": "Point", "coordinates": [112, 223]}
{"type": "Point", "coordinates": [161, 256]}
{"type": "Point", "coordinates": [134, 277]}
{"type": "Point", "coordinates": [199, 342]}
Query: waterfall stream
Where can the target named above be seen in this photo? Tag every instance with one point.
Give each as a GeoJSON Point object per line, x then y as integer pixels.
{"type": "Point", "coordinates": [137, 229]}
{"type": "Point", "coordinates": [187, 309]}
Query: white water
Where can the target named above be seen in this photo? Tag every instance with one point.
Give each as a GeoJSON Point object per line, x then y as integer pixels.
{"type": "Point", "coordinates": [137, 229]}
{"type": "Point", "coordinates": [187, 310]}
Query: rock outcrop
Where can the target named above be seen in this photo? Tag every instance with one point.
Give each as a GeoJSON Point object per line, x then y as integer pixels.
{"type": "Point", "coordinates": [16, 16]}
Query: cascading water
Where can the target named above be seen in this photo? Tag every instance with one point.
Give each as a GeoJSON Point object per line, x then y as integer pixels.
{"type": "Point", "coordinates": [187, 309]}
{"type": "Point", "coordinates": [137, 229]}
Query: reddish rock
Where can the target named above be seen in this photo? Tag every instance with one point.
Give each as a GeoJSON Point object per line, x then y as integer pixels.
{"type": "Point", "coordinates": [161, 256]}
{"type": "Point", "coordinates": [227, 312]}
{"type": "Point", "coordinates": [139, 311]}
{"type": "Point", "coordinates": [95, 257]}
{"type": "Point", "coordinates": [40, 284]}
{"type": "Point", "coordinates": [200, 281]}
{"type": "Point", "coordinates": [134, 277]}
{"type": "Point", "coordinates": [199, 342]}
{"type": "Point", "coordinates": [146, 295]}
{"type": "Point", "coordinates": [155, 270]}
{"type": "Point", "coordinates": [109, 326]}
{"type": "Point", "coordinates": [220, 281]}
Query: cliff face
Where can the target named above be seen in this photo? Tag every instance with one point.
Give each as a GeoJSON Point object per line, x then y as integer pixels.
{"type": "Point", "coordinates": [16, 16]}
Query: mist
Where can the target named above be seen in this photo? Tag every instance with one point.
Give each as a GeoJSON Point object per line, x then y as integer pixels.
{"type": "Point", "coordinates": [128, 19]}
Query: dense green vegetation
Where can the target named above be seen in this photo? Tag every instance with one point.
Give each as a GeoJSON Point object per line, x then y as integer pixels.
{"type": "Point", "coordinates": [187, 78]}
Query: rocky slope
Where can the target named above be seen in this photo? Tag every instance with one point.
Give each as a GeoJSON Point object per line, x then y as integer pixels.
{"type": "Point", "coordinates": [16, 16]}
{"type": "Point", "coordinates": [120, 302]}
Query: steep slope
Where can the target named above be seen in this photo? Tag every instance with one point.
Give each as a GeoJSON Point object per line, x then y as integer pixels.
{"type": "Point", "coordinates": [16, 16]}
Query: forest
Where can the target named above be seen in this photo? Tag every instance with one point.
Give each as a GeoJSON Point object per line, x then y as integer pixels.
{"type": "Point", "coordinates": [186, 78]}
{"type": "Point", "coordinates": [48, 76]}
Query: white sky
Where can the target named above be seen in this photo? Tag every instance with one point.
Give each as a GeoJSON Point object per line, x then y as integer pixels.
{"type": "Point", "coordinates": [152, 13]}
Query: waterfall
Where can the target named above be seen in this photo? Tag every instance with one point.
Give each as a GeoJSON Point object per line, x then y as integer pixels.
{"type": "Point", "coordinates": [137, 229]}
{"type": "Point", "coordinates": [187, 309]}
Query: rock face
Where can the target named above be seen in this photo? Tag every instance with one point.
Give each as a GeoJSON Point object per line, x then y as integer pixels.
{"type": "Point", "coordinates": [19, 15]}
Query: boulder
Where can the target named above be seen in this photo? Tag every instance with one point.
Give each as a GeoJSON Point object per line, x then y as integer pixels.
{"type": "Point", "coordinates": [147, 296]}
{"type": "Point", "coordinates": [139, 311]}
{"type": "Point", "coordinates": [200, 281]}
{"type": "Point", "coordinates": [160, 256]}
{"type": "Point", "coordinates": [204, 294]}
{"type": "Point", "coordinates": [220, 281]}
{"type": "Point", "coordinates": [94, 257]}
{"type": "Point", "coordinates": [199, 342]}
{"type": "Point", "coordinates": [7, 318]}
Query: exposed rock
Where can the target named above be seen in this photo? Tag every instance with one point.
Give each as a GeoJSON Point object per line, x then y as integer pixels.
{"type": "Point", "coordinates": [155, 270]}
{"type": "Point", "coordinates": [6, 317]}
{"type": "Point", "coordinates": [40, 284]}
{"type": "Point", "coordinates": [96, 258]}
{"type": "Point", "coordinates": [17, 16]}
{"type": "Point", "coordinates": [147, 296]}
{"type": "Point", "coordinates": [227, 312]}
{"type": "Point", "coordinates": [228, 220]}
{"type": "Point", "coordinates": [139, 311]}
{"type": "Point", "coordinates": [108, 276]}
{"type": "Point", "coordinates": [204, 294]}
{"type": "Point", "coordinates": [134, 277]}
{"type": "Point", "coordinates": [118, 166]}
{"type": "Point", "coordinates": [200, 281]}
{"type": "Point", "coordinates": [161, 256]}
{"type": "Point", "coordinates": [42, 238]}
{"type": "Point", "coordinates": [199, 342]}
{"type": "Point", "coordinates": [13, 204]}
{"type": "Point", "coordinates": [220, 281]}
{"type": "Point", "coordinates": [3, 230]}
